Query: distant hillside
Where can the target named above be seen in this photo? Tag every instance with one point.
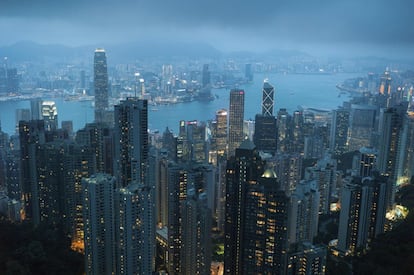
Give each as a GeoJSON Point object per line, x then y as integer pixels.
{"type": "Point", "coordinates": [31, 51]}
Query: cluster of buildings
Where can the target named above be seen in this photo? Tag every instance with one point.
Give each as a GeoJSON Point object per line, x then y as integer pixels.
{"type": "Point", "coordinates": [134, 202]}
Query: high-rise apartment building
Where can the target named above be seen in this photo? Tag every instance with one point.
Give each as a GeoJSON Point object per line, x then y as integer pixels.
{"type": "Point", "coordinates": [134, 230]}
{"type": "Point", "coordinates": [361, 126]}
{"type": "Point", "coordinates": [242, 170]}
{"type": "Point", "coordinates": [131, 141]}
{"type": "Point", "coordinates": [339, 132]}
{"type": "Point", "coordinates": [363, 207]}
{"type": "Point", "coordinates": [100, 79]}
{"type": "Point", "coordinates": [99, 231]}
{"type": "Point", "coordinates": [236, 117]}
{"type": "Point", "coordinates": [390, 129]}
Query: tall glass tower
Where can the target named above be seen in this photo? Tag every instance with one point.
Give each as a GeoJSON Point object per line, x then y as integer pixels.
{"type": "Point", "coordinates": [267, 99]}
{"type": "Point", "coordinates": [236, 116]}
{"type": "Point", "coordinates": [100, 79]}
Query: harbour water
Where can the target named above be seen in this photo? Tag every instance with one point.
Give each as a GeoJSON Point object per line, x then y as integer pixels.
{"type": "Point", "coordinates": [308, 90]}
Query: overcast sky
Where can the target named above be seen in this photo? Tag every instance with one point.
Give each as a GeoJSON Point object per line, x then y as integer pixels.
{"type": "Point", "coordinates": [360, 27]}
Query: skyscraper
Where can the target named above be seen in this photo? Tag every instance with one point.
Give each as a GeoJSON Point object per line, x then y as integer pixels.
{"type": "Point", "coordinates": [391, 125]}
{"type": "Point", "coordinates": [242, 170]}
{"type": "Point", "coordinates": [98, 193]}
{"type": "Point", "coordinates": [131, 141]}
{"type": "Point", "coordinates": [267, 98]}
{"type": "Point", "coordinates": [363, 206]}
{"type": "Point", "coordinates": [339, 131]}
{"type": "Point", "coordinates": [101, 84]}
{"type": "Point", "coordinates": [361, 126]}
{"type": "Point", "coordinates": [134, 230]}
{"type": "Point", "coordinates": [49, 115]}
{"type": "Point", "coordinates": [236, 117]}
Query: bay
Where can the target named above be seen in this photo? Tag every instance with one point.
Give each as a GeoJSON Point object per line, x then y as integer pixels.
{"type": "Point", "coordinates": [308, 90]}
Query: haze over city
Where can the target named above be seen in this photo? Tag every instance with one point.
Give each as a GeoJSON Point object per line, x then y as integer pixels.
{"type": "Point", "coordinates": [382, 28]}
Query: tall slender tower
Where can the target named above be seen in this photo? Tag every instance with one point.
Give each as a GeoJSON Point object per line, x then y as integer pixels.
{"type": "Point", "coordinates": [98, 193]}
{"type": "Point", "coordinates": [267, 98]}
{"type": "Point", "coordinates": [100, 79]}
{"type": "Point", "coordinates": [131, 136]}
{"type": "Point", "coordinates": [236, 116]}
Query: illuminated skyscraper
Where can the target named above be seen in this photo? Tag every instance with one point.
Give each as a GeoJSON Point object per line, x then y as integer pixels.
{"type": "Point", "coordinates": [49, 115]}
{"type": "Point", "coordinates": [98, 199]}
{"type": "Point", "coordinates": [236, 117]}
{"type": "Point", "coordinates": [339, 131]}
{"type": "Point", "coordinates": [363, 206]}
{"type": "Point", "coordinates": [221, 133]}
{"type": "Point", "coordinates": [265, 226]}
{"type": "Point", "coordinates": [385, 85]}
{"type": "Point", "coordinates": [391, 125]}
{"type": "Point", "coordinates": [134, 230]}
{"type": "Point", "coordinates": [131, 141]}
{"type": "Point", "coordinates": [101, 84]}
{"type": "Point", "coordinates": [267, 99]}
{"type": "Point", "coordinates": [242, 170]}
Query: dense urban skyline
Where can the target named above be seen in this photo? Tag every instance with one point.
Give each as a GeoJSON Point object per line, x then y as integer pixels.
{"type": "Point", "coordinates": [299, 190]}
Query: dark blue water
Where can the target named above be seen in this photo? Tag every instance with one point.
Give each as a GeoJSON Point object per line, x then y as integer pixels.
{"type": "Point", "coordinates": [309, 90]}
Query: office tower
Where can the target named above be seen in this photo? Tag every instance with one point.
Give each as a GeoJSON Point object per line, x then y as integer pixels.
{"type": "Point", "coordinates": [283, 131]}
{"type": "Point", "coordinates": [339, 132]}
{"type": "Point", "coordinates": [367, 162]}
{"type": "Point", "coordinates": [134, 232]}
{"type": "Point", "coordinates": [298, 133]}
{"type": "Point", "coordinates": [22, 115]}
{"type": "Point", "coordinates": [361, 126]}
{"type": "Point", "coordinates": [166, 77]}
{"type": "Point", "coordinates": [162, 192]}
{"type": "Point", "coordinates": [248, 128]}
{"type": "Point", "coordinates": [242, 170]}
{"type": "Point", "coordinates": [98, 218]}
{"type": "Point", "coordinates": [265, 226]}
{"type": "Point", "coordinates": [183, 152]}
{"type": "Point", "coordinates": [219, 135]}
{"type": "Point", "coordinates": [49, 115]}
{"type": "Point", "coordinates": [363, 206]}
{"type": "Point", "coordinates": [385, 84]}
{"type": "Point", "coordinates": [196, 235]}
{"type": "Point", "coordinates": [35, 108]}
{"type": "Point", "coordinates": [390, 129]}
{"type": "Point", "coordinates": [248, 72]}
{"type": "Point", "coordinates": [288, 168]}
{"type": "Point", "coordinates": [304, 212]}
{"type": "Point", "coordinates": [31, 136]}
{"type": "Point", "coordinates": [267, 98]}
{"type": "Point", "coordinates": [131, 136]}
{"type": "Point", "coordinates": [265, 133]}
{"type": "Point", "coordinates": [324, 173]}
{"type": "Point", "coordinates": [100, 79]}
{"type": "Point", "coordinates": [196, 137]}
{"type": "Point", "coordinates": [236, 117]}
{"type": "Point", "coordinates": [307, 259]}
